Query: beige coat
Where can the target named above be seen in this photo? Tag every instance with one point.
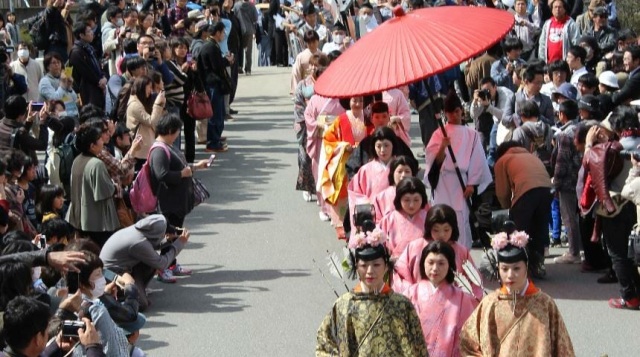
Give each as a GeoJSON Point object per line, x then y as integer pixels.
{"type": "Point", "coordinates": [138, 117]}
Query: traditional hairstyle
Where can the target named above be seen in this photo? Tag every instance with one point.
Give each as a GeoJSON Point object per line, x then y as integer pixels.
{"type": "Point", "coordinates": [410, 185]}
{"type": "Point", "coordinates": [438, 247]}
{"type": "Point", "coordinates": [441, 214]}
{"type": "Point", "coordinates": [380, 134]}
{"type": "Point", "coordinates": [401, 160]}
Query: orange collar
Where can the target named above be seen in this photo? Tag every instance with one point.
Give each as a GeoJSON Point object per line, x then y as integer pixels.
{"type": "Point", "coordinates": [385, 289]}
{"type": "Point", "coordinates": [531, 289]}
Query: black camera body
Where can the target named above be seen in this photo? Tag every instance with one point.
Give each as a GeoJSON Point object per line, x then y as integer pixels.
{"type": "Point", "coordinates": [484, 94]}
{"type": "Point", "coordinates": [70, 328]}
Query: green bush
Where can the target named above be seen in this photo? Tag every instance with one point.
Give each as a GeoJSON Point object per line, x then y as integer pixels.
{"type": "Point", "coordinates": [629, 14]}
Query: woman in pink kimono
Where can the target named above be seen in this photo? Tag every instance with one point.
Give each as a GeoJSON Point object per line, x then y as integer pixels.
{"type": "Point", "coordinates": [441, 306]}
{"type": "Point", "coordinates": [406, 222]}
{"type": "Point", "coordinates": [440, 225]}
{"type": "Point", "coordinates": [399, 168]}
{"type": "Point", "coordinates": [373, 177]}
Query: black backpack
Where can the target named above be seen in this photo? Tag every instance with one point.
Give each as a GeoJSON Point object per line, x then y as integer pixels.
{"type": "Point", "coordinates": [113, 115]}
{"type": "Point", "coordinates": [538, 147]}
{"type": "Point", "coordinates": [38, 31]}
{"type": "Point", "coordinates": [67, 152]}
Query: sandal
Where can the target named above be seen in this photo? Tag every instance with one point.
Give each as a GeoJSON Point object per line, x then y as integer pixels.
{"type": "Point", "coordinates": [341, 233]}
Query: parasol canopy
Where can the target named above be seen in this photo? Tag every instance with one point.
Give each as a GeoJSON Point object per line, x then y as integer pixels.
{"type": "Point", "coordinates": [413, 46]}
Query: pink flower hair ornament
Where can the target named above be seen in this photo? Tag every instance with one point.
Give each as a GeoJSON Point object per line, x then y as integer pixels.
{"type": "Point", "coordinates": [372, 238]}
{"type": "Point", "coordinates": [501, 240]}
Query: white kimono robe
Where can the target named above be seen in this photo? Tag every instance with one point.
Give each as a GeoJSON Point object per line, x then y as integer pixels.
{"type": "Point", "coordinates": [467, 148]}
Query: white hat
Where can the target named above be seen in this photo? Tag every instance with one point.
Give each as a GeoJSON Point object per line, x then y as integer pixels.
{"type": "Point", "coordinates": [195, 14]}
{"type": "Point", "coordinates": [609, 79]}
{"type": "Point", "coordinates": [635, 102]}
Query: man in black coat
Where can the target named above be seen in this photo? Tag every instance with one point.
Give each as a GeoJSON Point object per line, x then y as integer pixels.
{"type": "Point", "coordinates": [90, 82]}
{"type": "Point", "coordinates": [631, 89]}
{"type": "Point", "coordinates": [217, 83]}
{"type": "Point", "coordinates": [234, 42]}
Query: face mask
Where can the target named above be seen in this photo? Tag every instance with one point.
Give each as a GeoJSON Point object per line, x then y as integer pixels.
{"type": "Point", "coordinates": [338, 39]}
{"type": "Point", "coordinates": [35, 273]}
{"type": "Point", "coordinates": [318, 8]}
{"type": "Point", "coordinates": [23, 53]}
{"type": "Point", "coordinates": [365, 18]}
{"type": "Point", "coordinates": [120, 22]}
{"type": "Point", "coordinates": [98, 287]}
{"type": "Point", "coordinates": [62, 114]}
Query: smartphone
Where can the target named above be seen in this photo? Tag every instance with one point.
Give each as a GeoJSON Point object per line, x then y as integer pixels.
{"type": "Point", "coordinates": [73, 282]}
{"type": "Point", "coordinates": [111, 276]}
{"type": "Point", "coordinates": [36, 106]}
{"type": "Point", "coordinates": [43, 241]}
{"type": "Point", "coordinates": [70, 328]}
{"type": "Point", "coordinates": [211, 158]}
{"type": "Point", "coordinates": [179, 230]}
{"type": "Point", "coordinates": [189, 57]}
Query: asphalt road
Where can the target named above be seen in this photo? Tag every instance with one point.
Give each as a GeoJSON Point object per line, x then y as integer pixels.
{"type": "Point", "coordinates": [255, 289]}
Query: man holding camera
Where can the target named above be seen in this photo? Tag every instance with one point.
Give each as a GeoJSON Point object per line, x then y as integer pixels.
{"type": "Point", "coordinates": [502, 69]}
{"type": "Point", "coordinates": [25, 323]}
{"type": "Point", "coordinates": [134, 250]}
{"type": "Point", "coordinates": [147, 50]}
{"type": "Point", "coordinates": [15, 127]}
{"type": "Point", "coordinates": [488, 105]}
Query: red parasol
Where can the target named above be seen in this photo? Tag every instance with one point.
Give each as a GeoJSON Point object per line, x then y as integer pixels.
{"type": "Point", "coordinates": [413, 46]}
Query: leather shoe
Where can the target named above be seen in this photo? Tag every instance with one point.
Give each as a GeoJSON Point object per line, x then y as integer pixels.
{"type": "Point", "coordinates": [609, 278]}
{"type": "Point", "coordinates": [231, 111]}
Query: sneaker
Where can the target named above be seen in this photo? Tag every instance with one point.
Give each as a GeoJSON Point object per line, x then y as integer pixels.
{"type": "Point", "coordinates": [166, 276]}
{"type": "Point", "coordinates": [324, 217]}
{"type": "Point", "coordinates": [307, 196]}
{"type": "Point", "coordinates": [620, 303]}
{"type": "Point", "coordinates": [179, 270]}
{"type": "Point", "coordinates": [567, 258]}
{"type": "Point", "coordinates": [609, 278]}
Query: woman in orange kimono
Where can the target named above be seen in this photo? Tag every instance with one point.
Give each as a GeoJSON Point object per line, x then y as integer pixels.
{"type": "Point", "coordinates": [517, 320]}
{"type": "Point", "coordinates": [339, 140]}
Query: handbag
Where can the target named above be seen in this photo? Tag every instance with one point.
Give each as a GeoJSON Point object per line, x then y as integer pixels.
{"type": "Point", "coordinates": [634, 244]}
{"type": "Point", "coordinates": [200, 192]}
{"type": "Point", "coordinates": [199, 106]}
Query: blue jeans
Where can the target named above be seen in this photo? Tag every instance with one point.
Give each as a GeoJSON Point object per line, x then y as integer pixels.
{"type": "Point", "coordinates": [493, 145]}
{"type": "Point", "coordinates": [555, 225]}
{"type": "Point", "coordinates": [215, 124]}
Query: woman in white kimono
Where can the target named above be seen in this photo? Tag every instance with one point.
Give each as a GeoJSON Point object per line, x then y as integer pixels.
{"type": "Point", "coordinates": [470, 158]}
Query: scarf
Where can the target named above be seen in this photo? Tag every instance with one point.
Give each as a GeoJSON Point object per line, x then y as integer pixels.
{"type": "Point", "coordinates": [92, 55]}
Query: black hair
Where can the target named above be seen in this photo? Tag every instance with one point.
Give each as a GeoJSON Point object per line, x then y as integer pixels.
{"type": "Point", "coordinates": [46, 62]}
{"type": "Point", "coordinates": [529, 109]}
{"type": "Point", "coordinates": [589, 80]}
{"type": "Point", "coordinates": [569, 108]}
{"type": "Point", "coordinates": [15, 280]}
{"type": "Point", "coordinates": [625, 34]}
{"type": "Point", "coordinates": [55, 227]}
{"type": "Point", "coordinates": [91, 262]}
{"type": "Point", "coordinates": [68, 125]}
{"type": "Point", "coordinates": [504, 147]}
{"type": "Point", "coordinates": [168, 124]}
{"type": "Point", "coordinates": [558, 66]}
{"type": "Point", "coordinates": [578, 52]}
{"type": "Point", "coordinates": [438, 247]}
{"type": "Point", "coordinates": [634, 50]}
{"type": "Point", "coordinates": [18, 246]}
{"type": "Point", "coordinates": [28, 163]}
{"type": "Point", "coordinates": [488, 79]}
{"type": "Point", "coordinates": [129, 46]}
{"type": "Point", "coordinates": [401, 160]}
{"type": "Point", "coordinates": [83, 244]}
{"type": "Point", "coordinates": [441, 214]}
{"type": "Point", "coordinates": [379, 107]}
{"type": "Point", "coordinates": [48, 194]}
{"type": "Point", "coordinates": [452, 102]}
{"type": "Point", "coordinates": [145, 35]}
{"type": "Point", "coordinates": [139, 89]}
{"type": "Point", "coordinates": [14, 160]}
{"type": "Point", "coordinates": [121, 131]}
{"type": "Point", "coordinates": [511, 43]}
{"type": "Point", "coordinates": [15, 106]}
{"type": "Point", "coordinates": [623, 117]}
{"type": "Point", "coordinates": [85, 136]}
{"type": "Point", "coordinates": [79, 28]}
{"type": "Point", "coordinates": [310, 36]}
{"type": "Point", "coordinates": [129, 10]}
{"type": "Point", "coordinates": [218, 27]}
{"type": "Point", "coordinates": [89, 111]}
{"type": "Point", "coordinates": [380, 134]}
{"type": "Point", "coordinates": [24, 318]}
{"type": "Point", "coordinates": [410, 185]}
{"type": "Point", "coordinates": [531, 72]}
{"type": "Point", "coordinates": [333, 55]}
{"type": "Point", "coordinates": [134, 63]}
{"type": "Point", "coordinates": [113, 11]}
{"type": "Point", "coordinates": [179, 41]}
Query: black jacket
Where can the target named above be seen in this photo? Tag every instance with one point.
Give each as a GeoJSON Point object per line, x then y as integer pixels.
{"type": "Point", "coordinates": [631, 89]}
{"type": "Point", "coordinates": [212, 65]}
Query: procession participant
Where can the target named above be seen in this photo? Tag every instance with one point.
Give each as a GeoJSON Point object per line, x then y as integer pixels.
{"type": "Point", "coordinates": [498, 325]}
{"type": "Point", "coordinates": [359, 322]}
{"type": "Point", "coordinates": [471, 161]}
{"type": "Point", "coordinates": [339, 140]}
{"type": "Point", "coordinates": [400, 167]}
{"type": "Point", "coordinates": [441, 306]}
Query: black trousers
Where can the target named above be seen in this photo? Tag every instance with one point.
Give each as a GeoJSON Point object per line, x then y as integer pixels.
{"type": "Point", "coordinates": [615, 232]}
{"type": "Point", "coordinates": [428, 124]}
{"type": "Point", "coordinates": [281, 48]}
{"type": "Point", "coordinates": [594, 253]}
{"type": "Point", "coordinates": [531, 214]}
{"type": "Point", "coordinates": [176, 221]}
{"type": "Point", "coordinates": [189, 131]}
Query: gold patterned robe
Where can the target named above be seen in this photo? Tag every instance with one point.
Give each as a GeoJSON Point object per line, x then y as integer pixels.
{"type": "Point", "coordinates": [396, 328]}
{"type": "Point", "coordinates": [534, 329]}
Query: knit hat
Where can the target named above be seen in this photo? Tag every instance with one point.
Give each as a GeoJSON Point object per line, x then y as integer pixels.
{"type": "Point", "coordinates": [153, 227]}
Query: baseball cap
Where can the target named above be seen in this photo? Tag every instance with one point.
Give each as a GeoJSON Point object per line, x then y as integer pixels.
{"type": "Point", "coordinates": [589, 102]}
{"type": "Point", "coordinates": [566, 90]}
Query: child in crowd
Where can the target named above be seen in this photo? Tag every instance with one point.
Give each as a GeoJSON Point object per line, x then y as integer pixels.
{"type": "Point", "coordinates": [24, 182]}
{"type": "Point", "coordinates": [406, 222]}
{"type": "Point", "coordinates": [440, 225]}
{"type": "Point", "coordinates": [399, 168]}
{"type": "Point", "coordinates": [51, 202]}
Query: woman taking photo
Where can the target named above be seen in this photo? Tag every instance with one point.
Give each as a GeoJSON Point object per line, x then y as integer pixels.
{"type": "Point", "coordinates": [171, 181]}
{"type": "Point", "coordinates": [140, 119]}
{"type": "Point", "coordinates": [371, 320]}
{"type": "Point", "coordinates": [179, 50]}
{"type": "Point", "coordinates": [92, 211]}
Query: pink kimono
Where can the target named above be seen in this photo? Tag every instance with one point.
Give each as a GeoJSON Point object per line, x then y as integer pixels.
{"type": "Point", "coordinates": [402, 229]}
{"type": "Point", "coordinates": [383, 202]}
{"type": "Point", "coordinates": [442, 310]}
{"type": "Point", "coordinates": [399, 106]}
{"type": "Point", "coordinates": [368, 182]}
{"type": "Point", "coordinates": [406, 270]}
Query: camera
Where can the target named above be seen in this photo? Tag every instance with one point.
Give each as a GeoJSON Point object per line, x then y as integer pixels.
{"type": "Point", "coordinates": [364, 217]}
{"type": "Point", "coordinates": [70, 328]}
{"type": "Point", "coordinates": [484, 94]}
